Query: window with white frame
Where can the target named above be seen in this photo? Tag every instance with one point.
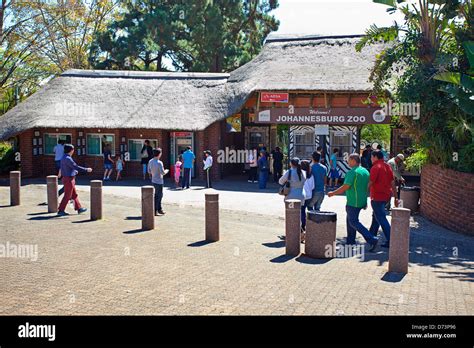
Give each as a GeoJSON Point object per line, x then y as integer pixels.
{"type": "Point", "coordinates": [51, 140]}
{"type": "Point", "coordinates": [341, 140]}
{"type": "Point", "coordinates": [135, 147]}
{"type": "Point", "coordinates": [96, 144]}
{"type": "Point", "coordinates": [304, 143]}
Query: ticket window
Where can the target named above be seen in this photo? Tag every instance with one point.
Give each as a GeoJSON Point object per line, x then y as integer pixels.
{"type": "Point", "coordinates": [257, 137]}
{"type": "Point", "coordinates": [304, 144]}
{"type": "Point", "coordinates": [341, 140]}
{"type": "Point", "coordinates": [179, 143]}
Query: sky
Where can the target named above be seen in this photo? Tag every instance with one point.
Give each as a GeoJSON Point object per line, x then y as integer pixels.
{"type": "Point", "coordinates": [330, 16]}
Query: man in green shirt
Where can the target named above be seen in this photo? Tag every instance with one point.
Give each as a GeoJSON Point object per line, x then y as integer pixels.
{"type": "Point", "coordinates": [355, 186]}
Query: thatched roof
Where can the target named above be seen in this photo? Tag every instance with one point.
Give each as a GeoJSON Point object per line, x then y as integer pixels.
{"type": "Point", "coordinates": [325, 63]}
{"type": "Point", "coordinates": [190, 101]}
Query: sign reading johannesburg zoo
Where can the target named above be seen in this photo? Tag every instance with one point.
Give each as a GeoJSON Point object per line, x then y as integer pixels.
{"type": "Point", "coordinates": [352, 116]}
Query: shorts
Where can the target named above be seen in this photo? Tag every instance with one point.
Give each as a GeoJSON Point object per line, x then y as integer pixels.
{"type": "Point", "coordinates": [57, 164]}
{"type": "Point", "coordinates": [144, 166]}
{"type": "Point", "coordinates": [334, 174]}
{"type": "Point", "coordinates": [108, 166]}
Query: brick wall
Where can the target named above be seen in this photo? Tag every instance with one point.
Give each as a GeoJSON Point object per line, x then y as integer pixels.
{"type": "Point", "coordinates": [41, 165]}
{"type": "Point", "coordinates": [447, 198]}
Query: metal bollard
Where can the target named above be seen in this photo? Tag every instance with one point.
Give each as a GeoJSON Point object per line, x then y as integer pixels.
{"type": "Point", "coordinates": [212, 217]}
{"type": "Point", "coordinates": [399, 241]}
{"type": "Point", "coordinates": [148, 208]}
{"type": "Point", "coordinates": [292, 227]}
{"type": "Point", "coordinates": [52, 191]}
{"type": "Point", "coordinates": [320, 240]}
{"type": "Point", "coordinates": [96, 200]}
{"type": "Point", "coordinates": [15, 184]}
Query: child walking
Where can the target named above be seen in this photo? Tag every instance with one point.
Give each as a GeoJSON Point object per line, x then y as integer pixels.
{"type": "Point", "coordinates": [119, 167]}
{"type": "Point", "coordinates": [177, 171]}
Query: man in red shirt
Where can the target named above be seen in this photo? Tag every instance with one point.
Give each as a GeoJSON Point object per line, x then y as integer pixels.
{"type": "Point", "coordinates": [382, 186]}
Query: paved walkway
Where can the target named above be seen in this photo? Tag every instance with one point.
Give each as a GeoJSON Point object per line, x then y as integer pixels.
{"type": "Point", "coordinates": [111, 267]}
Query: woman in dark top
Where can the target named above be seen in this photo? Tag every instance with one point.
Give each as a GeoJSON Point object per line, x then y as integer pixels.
{"type": "Point", "coordinates": [147, 155]}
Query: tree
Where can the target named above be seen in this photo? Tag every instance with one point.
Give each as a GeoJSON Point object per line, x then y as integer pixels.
{"type": "Point", "coordinates": [200, 35]}
{"type": "Point", "coordinates": [419, 48]}
{"type": "Point", "coordinates": [39, 39]}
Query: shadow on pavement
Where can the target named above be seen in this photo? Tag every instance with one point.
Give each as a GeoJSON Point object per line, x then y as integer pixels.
{"type": "Point", "coordinates": [279, 244]}
{"type": "Point", "coordinates": [41, 213]}
{"type": "Point", "coordinates": [133, 218]}
{"type": "Point", "coordinates": [137, 230]}
{"type": "Point", "coordinates": [40, 218]}
{"type": "Point", "coordinates": [392, 277]}
{"type": "Point", "coordinates": [309, 260]}
{"type": "Point", "coordinates": [282, 258]}
{"type": "Point", "coordinates": [200, 243]}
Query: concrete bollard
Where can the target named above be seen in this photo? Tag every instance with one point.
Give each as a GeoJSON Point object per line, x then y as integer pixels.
{"type": "Point", "coordinates": [320, 239]}
{"type": "Point", "coordinates": [148, 208]}
{"type": "Point", "coordinates": [292, 227]}
{"type": "Point", "coordinates": [212, 217]}
{"type": "Point", "coordinates": [52, 190]}
{"type": "Point", "coordinates": [410, 197]}
{"type": "Point", "coordinates": [399, 241]}
{"type": "Point", "coordinates": [15, 184]}
{"type": "Point", "coordinates": [96, 200]}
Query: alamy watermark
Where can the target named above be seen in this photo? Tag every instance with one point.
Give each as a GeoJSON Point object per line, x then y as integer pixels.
{"type": "Point", "coordinates": [398, 109]}
{"type": "Point", "coordinates": [23, 251]}
{"type": "Point", "coordinates": [344, 251]}
{"type": "Point", "coordinates": [235, 156]}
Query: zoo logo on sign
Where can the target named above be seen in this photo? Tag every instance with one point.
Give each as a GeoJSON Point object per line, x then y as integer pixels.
{"type": "Point", "coordinates": [379, 116]}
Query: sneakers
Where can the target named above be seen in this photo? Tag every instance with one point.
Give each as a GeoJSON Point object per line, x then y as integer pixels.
{"type": "Point", "coordinates": [82, 210]}
{"type": "Point", "coordinates": [249, 181]}
{"type": "Point", "coordinates": [62, 213]}
{"type": "Point", "coordinates": [373, 246]}
{"type": "Point", "coordinates": [159, 213]}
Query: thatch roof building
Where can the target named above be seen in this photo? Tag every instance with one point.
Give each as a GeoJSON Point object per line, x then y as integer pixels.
{"type": "Point", "coordinates": [191, 101]}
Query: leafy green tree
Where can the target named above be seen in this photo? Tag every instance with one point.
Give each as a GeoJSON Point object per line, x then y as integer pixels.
{"type": "Point", "coordinates": [432, 34]}
{"type": "Point", "coordinates": [199, 35]}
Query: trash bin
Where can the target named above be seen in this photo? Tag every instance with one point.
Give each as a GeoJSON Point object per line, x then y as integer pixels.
{"type": "Point", "coordinates": [320, 239]}
{"type": "Point", "coordinates": [410, 197]}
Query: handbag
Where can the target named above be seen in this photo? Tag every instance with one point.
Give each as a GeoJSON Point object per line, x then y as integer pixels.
{"type": "Point", "coordinates": [285, 188]}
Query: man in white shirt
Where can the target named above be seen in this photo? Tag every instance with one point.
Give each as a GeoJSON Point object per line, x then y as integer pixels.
{"type": "Point", "coordinates": [157, 171]}
{"type": "Point", "coordinates": [207, 167]}
{"type": "Point", "coordinates": [58, 156]}
{"type": "Point", "coordinates": [252, 160]}
{"type": "Point", "coordinates": [58, 153]}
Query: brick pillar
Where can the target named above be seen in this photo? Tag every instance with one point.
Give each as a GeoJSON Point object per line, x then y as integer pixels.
{"type": "Point", "coordinates": [399, 240]}
{"type": "Point", "coordinates": [96, 199]}
{"type": "Point", "coordinates": [27, 160]}
{"type": "Point", "coordinates": [212, 217]}
{"type": "Point", "coordinates": [52, 190]}
{"type": "Point", "coordinates": [293, 227]}
{"type": "Point", "coordinates": [15, 188]}
{"type": "Point", "coordinates": [148, 208]}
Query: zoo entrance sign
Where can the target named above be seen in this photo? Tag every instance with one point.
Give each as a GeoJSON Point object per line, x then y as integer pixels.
{"type": "Point", "coordinates": [341, 116]}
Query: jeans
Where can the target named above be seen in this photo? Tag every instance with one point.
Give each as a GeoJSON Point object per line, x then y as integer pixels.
{"type": "Point", "coordinates": [262, 179]}
{"type": "Point", "coordinates": [186, 178]}
{"type": "Point", "coordinates": [277, 172]}
{"type": "Point", "coordinates": [316, 201]}
{"type": "Point", "coordinates": [208, 177]}
{"type": "Point", "coordinates": [306, 204]}
{"type": "Point", "coordinates": [69, 193]}
{"type": "Point", "coordinates": [354, 225]}
{"type": "Point", "coordinates": [253, 174]}
{"type": "Point", "coordinates": [158, 196]}
{"type": "Point", "coordinates": [379, 218]}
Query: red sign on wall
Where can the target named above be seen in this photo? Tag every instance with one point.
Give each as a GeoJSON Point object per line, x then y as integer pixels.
{"type": "Point", "coordinates": [270, 97]}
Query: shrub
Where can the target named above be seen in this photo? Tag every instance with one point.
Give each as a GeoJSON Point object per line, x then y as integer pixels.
{"type": "Point", "coordinates": [7, 158]}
